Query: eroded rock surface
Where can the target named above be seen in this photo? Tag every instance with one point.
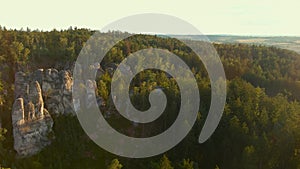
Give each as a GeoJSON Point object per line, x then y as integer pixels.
{"type": "Point", "coordinates": [36, 94]}
{"type": "Point", "coordinates": [56, 89]}
{"type": "Point", "coordinates": [32, 123]}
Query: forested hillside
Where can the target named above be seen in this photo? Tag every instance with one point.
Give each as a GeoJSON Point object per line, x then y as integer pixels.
{"type": "Point", "coordinates": [259, 128]}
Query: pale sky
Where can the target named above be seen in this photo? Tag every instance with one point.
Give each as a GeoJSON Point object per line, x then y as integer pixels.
{"type": "Point", "coordinates": [237, 17]}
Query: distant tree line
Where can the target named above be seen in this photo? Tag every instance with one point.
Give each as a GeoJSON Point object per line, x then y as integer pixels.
{"type": "Point", "coordinates": [259, 128]}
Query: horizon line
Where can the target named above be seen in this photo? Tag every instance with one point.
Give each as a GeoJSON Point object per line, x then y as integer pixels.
{"type": "Point", "coordinates": [206, 34]}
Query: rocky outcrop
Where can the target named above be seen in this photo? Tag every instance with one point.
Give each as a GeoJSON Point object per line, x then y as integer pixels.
{"type": "Point", "coordinates": [32, 123]}
{"type": "Point", "coordinates": [40, 92]}
{"type": "Point", "coordinates": [56, 89]}
{"type": "Point", "coordinates": [85, 86]}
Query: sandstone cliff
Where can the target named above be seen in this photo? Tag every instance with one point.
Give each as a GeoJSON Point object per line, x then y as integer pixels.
{"type": "Point", "coordinates": [56, 89]}
{"type": "Point", "coordinates": [32, 123]}
{"type": "Point", "coordinates": [36, 94]}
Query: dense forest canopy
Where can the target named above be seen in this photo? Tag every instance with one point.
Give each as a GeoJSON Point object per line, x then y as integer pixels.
{"type": "Point", "coordinates": [259, 128]}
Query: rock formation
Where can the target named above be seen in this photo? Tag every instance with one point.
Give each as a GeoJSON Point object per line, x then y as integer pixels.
{"type": "Point", "coordinates": [32, 123]}
{"type": "Point", "coordinates": [35, 94]}
{"type": "Point", "coordinates": [38, 92]}
{"type": "Point", "coordinates": [56, 89]}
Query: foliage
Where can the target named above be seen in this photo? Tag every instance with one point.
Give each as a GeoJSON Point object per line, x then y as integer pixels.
{"type": "Point", "coordinates": [165, 163]}
{"type": "Point", "coordinates": [259, 128]}
{"type": "Point", "coordinates": [115, 164]}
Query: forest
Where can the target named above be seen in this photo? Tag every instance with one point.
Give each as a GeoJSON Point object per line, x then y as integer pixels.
{"type": "Point", "coordinates": [259, 128]}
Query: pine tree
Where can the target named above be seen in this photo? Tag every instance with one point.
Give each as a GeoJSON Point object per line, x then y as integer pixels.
{"type": "Point", "coordinates": [165, 163]}
{"type": "Point", "coordinates": [187, 164]}
{"type": "Point", "coordinates": [115, 164]}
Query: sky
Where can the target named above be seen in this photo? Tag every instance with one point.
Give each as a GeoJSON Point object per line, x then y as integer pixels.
{"type": "Point", "coordinates": [234, 17]}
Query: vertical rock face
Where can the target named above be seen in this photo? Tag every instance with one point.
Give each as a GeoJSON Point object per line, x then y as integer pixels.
{"type": "Point", "coordinates": [85, 96]}
{"type": "Point", "coordinates": [18, 115]}
{"type": "Point", "coordinates": [37, 93]}
{"type": "Point", "coordinates": [52, 85]}
{"type": "Point", "coordinates": [57, 91]}
{"type": "Point", "coordinates": [32, 124]}
{"type": "Point", "coordinates": [36, 99]}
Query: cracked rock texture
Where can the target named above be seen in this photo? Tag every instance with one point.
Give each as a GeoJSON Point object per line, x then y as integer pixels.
{"type": "Point", "coordinates": [32, 123]}
{"type": "Point", "coordinates": [35, 94]}
{"type": "Point", "coordinates": [42, 91]}
{"type": "Point", "coordinates": [55, 86]}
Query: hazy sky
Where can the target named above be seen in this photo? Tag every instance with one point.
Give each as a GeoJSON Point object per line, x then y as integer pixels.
{"type": "Point", "coordinates": [240, 17]}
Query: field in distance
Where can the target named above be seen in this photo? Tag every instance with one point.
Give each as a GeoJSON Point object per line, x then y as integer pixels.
{"type": "Point", "coordinates": [285, 42]}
